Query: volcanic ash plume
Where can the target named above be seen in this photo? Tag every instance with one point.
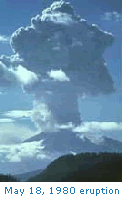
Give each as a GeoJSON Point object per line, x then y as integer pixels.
{"type": "Point", "coordinates": [66, 54]}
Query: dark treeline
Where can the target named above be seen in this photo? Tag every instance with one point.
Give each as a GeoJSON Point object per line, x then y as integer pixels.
{"type": "Point", "coordinates": [83, 167]}
{"type": "Point", "coordinates": [8, 178]}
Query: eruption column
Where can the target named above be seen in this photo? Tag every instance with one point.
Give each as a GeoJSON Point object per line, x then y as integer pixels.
{"type": "Point", "coordinates": [66, 52]}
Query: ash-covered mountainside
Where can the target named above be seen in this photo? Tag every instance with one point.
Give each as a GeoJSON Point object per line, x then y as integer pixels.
{"type": "Point", "coordinates": [67, 141]}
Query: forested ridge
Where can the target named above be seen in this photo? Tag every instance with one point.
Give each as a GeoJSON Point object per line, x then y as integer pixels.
{"type": "Point", "coordinates": [82, 167]}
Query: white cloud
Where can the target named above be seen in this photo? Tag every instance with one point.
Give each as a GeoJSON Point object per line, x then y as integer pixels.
{"type": "Point", "coordinates": [12, 133]}
{"type": "Point", "coordinates": [7, 77]}
{"type": "Point", "coordinates": [41, 116]}
{"type": "Point", "coordinates": [84, 96]}
{"type": "Point", "coordinates": [69, 125]}
{"type": "Point", "coordinates": [19, 75]}
{"type": "Point", "coordinates": [94, 130]}
{"type": "Point", "coordinates": [18, 113]}
{"type": "Point", "coordinates": [98, 127]}
{"type": "Point", "coordinates": [6, 120]}
{"type": "Point", "coordinates": [58, 75]}
{"type": "Point", "coordinates": [112, 16]}
{"type": "Point", "coordinates": [24, 76]}
{"type": "Point", "coordinates": [4, 38]}
{"type": "Point", "coordinates": [33, 151]}
{"type": "Point", "coordinates": [22, 152]}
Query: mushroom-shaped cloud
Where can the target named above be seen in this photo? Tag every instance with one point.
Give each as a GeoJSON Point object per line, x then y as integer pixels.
{"type": "Point", "coordinates": [60, 42]}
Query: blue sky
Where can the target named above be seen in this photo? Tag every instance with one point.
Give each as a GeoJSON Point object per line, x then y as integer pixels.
{"type": "Point", "coordinates": [16, 104]}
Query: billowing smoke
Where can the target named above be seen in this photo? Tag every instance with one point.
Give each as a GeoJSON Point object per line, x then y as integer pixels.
{"type": "Point", "coordinates": [66, 54]}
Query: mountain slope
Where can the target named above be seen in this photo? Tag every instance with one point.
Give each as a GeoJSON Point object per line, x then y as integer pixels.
{"type": "Point", "coordinates": [112, 144]}
{"type": "Point", "coordinates": [25, 176]}
{"type": "Point", "coordinates": [66, 141]}
{"type": "Point", "coordinates": [84, 167]}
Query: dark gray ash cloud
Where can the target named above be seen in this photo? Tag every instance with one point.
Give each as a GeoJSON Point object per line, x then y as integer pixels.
{"type": "Point", "coordinates": [66, 54]}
